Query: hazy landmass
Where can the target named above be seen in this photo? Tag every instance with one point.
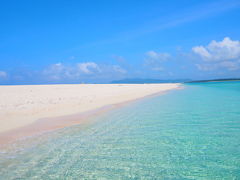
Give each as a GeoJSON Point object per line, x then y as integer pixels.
{"type": "Point", "coordinates": [148, 81]}
{"type": "Point", "coordinates": [214, 80]}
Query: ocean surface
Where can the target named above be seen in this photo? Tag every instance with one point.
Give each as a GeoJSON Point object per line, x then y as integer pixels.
{"type": "Point", "coordinates": [193, 133]}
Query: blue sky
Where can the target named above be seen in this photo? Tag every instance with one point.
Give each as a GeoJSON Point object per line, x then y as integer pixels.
{"type": "Point", "coordinates": [97, 41]}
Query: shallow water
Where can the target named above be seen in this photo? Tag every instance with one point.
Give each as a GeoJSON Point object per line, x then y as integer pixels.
{"type": "Point", "coordinates": [192, 133]}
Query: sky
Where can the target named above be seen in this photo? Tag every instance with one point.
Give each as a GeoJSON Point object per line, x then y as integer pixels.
{"type": "Point", "coordinates": [97, 41]}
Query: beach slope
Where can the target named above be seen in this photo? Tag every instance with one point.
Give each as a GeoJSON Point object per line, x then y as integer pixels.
{"type": "Point", "coordinates": [23, 105]}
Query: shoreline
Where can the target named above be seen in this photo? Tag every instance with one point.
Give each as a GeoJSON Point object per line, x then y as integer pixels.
{"type": "Point", "coordinates": [48, 124]}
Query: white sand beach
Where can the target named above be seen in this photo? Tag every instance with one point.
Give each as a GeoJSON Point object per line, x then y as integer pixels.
{"type": "Point", "coordinates": [23, 105]}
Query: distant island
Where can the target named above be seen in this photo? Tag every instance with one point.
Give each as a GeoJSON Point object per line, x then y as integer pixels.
{"type": "Point", "coordinates": [148, 81]}
{"type": "Point", "coordinates": [155, 81]}
{"type": "Point", "coordinates": [214, 80]}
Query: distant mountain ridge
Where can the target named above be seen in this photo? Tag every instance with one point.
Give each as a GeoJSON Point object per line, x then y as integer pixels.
{"type": "Point", "coordinates": [148, 81]}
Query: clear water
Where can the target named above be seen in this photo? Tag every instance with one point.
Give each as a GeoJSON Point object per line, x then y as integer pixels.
{"type": "Point", "coordinates": [192, 133]}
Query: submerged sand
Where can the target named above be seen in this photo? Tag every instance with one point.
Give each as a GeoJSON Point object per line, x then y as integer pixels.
{"type": "Point", "coordinates": [21, 106]}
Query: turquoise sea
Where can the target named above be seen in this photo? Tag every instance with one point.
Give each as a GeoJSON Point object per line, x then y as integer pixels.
{"type": "Point", "coordinates": [193, 133]}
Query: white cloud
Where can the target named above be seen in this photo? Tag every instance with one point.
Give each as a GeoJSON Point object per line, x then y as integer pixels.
{"type": "Point", "coordinates": [3, 75]}
{"type": "Point", "coordinates": [206, 67]}
{"type": "Point", "coordinates": [55, 71]}
{"type": "Point", "coordinates": [200, 50]}
{"type": "Point", "coordinates": [232, 66]}
{"type": "Point", "coordinates": [155, 60]}
{"type": "Point", "coordinates": [59, 71]}
{"type": "Point", "coordinates": [228, 65]}
{"type": "Point", "coordinates": [88, 67]}
{"type": "Point", "coordinates": [224, 55]}
{"type": "Point", "coordinates": [158, 56]}
{"type": "Point", "coordinates": [226, 49]}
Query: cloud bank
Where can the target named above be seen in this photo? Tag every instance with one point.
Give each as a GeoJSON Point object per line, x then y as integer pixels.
{"type": "Point", "coordinates": [223, 54]}
{"type": "Point", "coordinates": [153, 55]}
{"type": "Point", "coordinates": [216, 59]}
{"type": "Point", "coordinates": [81, 71]}
{"type": "Point", "coordinates": [224, 50]}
